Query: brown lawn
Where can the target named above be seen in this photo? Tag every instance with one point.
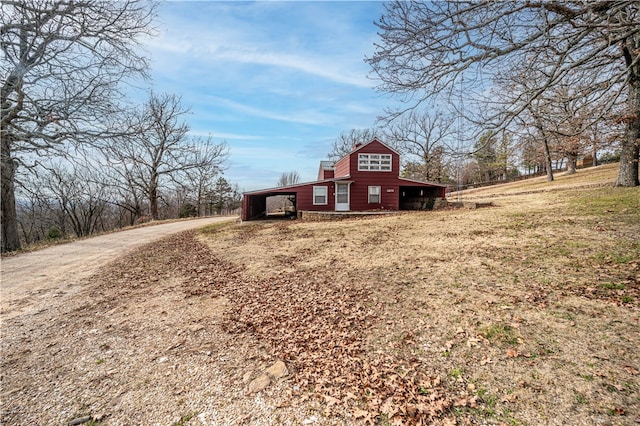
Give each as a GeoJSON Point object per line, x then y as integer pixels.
{"type": "Point", "coordinates": [523, 313]}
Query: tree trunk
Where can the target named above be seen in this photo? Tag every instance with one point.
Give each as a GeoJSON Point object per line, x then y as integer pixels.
{"type": "Point", "coordinates": [153, 199]}
{"type": "Point", "coordinates": [547, 160]}
{"type": "Point", "coordinates": [8, 215]}
{"type": "Point", "coordinates": [630, 151]}
{"type": "Point", "coordinates": [572, 160]}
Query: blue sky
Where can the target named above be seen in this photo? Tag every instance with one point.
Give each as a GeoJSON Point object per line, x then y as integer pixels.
{"type": "Point", "coordinates": [278, 81]}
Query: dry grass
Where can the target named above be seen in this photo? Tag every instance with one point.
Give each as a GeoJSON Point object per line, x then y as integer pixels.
{"type": "Point", "coordinates": [524, 313]}
{"type": "Point", "coordinates": [530, 307]}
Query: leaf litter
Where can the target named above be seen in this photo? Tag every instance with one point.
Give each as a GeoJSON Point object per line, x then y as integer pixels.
{"type": "Point", "coordinates": [454, 317]}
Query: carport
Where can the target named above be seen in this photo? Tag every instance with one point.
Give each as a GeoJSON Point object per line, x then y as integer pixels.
{"type": "Point", "coordinates": [254, 206]}
{"type": "Point", "coordinates": [419, 195]}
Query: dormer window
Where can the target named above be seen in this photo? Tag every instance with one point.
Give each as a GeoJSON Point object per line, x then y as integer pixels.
{"type": "Point", "coordinates": [374, 162]}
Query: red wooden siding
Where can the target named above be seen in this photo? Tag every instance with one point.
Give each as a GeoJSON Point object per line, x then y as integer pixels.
{"type": "Point", "coordinates": [342, 167]}
{"type": "Point", "coordinates": [348, 165]}
{"type": "Point", "coordinates": [386, 180]}
{"type": "Point", "coordinates": [255, 201]}
{"type": "Point", "coordinates": [325, 174]}
{"type": "Point", "coordinates": [304, 198]}
{"type": "Point", "coordinates": [326, 170]}
{"type": "Point", "coordinates": [394, 191]}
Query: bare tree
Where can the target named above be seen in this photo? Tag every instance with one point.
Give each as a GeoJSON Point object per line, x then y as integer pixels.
{"type": "Point", "coordinates": [62, 62]}
{"type": "Point", "coordinates": [424, 136]}
{"type": "Point", "coordinates": [533, 123]}
{"type": "Point", "coordinates": [509, 84]}
{"type": "Point", "coordinates": [289, 178]}
{"type": "Point", "coordinates": [128, 197]}
{"type": "Point", "coordinates": [438, 169]}
{"type": "Point", "coordinates": [345, 143]}
{"type": "Point", "coordinates": [38, 216]}
{"type": "Point", "coordinates": [69, 197]}
{"type": "Point", "coordinates": [563, 117]}
{"type": "Point", "coordinates": [160, 151]}
{"type": "Point", "coordinates": [571, 119]}
{"type": "Point", "coordinates": [427, 48]}
{"type": "Point", "coordinates": [81, 194]}
{"type": "Point", "coordinates": [209, 158]}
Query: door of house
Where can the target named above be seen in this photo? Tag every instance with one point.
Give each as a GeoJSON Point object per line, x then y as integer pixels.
{"type": "Point", "coordinates": [342, 197]}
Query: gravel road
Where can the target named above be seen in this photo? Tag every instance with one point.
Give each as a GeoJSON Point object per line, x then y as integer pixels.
{"type": "Point", "coordinates": [29, 279]}
{"type": "Point", "coordinates": [129, 329]}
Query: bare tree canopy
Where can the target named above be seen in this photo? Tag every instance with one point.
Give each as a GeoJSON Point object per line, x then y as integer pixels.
{"type": "Point", "coordinates": [344, 144]}
{"type": "Point", "coordinates": [424, 136]}
{"type": "Point", "coordinates": [62, 63]}
{"type": "Point", "coordinates": [427, 48]}
{"type": "Point", "coordinates": [161, 151]}
{"type": "Point", "coordinates": [289, 178]}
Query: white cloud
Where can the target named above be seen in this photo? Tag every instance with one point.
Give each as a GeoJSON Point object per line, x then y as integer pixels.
{"type": "Point", "coordinates": [223, 135]}
{"type": "Point", "coordinates": [276, 80]}
{"type": "Point", "coordinates": [248, 33]}
{"type": "Point", "coordinates": [321, 66]}
{"type": "Point", "coordinates": [307, 116]}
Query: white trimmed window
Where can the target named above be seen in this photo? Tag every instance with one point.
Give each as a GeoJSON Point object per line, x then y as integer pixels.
{"type": "Point", "coordinates": [320, 195]}
{"type": "Point", "coordinates": [374, 162]}
{"type": "Point", "coordinates": [374, 195]}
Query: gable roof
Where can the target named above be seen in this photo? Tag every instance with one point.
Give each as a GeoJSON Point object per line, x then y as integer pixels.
{"type": "Point", "coordinates": [353, 151]}
{"type": "Point", "coordinates": [327, 164]}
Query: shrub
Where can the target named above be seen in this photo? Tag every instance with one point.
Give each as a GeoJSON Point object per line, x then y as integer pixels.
{"type": "Point", "coordinates": [188, 210]}
{"type": "Point", "coordinates": [54, 234]}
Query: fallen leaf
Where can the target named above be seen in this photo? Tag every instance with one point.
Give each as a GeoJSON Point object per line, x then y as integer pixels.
{"type": "Point", "coordinates": [361, 414]}
{"type": "Point", "coordinates": [618, 411]}
{"type": "Point", "coordinates": [473, 341]}
{"type": "Point", "coordinates": [509, 398]}
{"type": "Point", "coordinates": [331, 400]}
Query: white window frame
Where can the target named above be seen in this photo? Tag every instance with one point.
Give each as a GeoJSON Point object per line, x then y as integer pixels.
{"type": "Point", "coordinates": [375, 162]}
{"type": "Point", "coordinates": [375, 191]}
{"type": "Point", "coordinates": [321, 191]}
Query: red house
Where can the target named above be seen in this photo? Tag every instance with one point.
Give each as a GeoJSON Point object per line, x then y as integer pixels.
{"type": "Point", "coordinates": [367, 179]}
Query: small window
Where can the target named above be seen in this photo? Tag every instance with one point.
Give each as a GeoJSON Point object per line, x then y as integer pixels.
{"type": "Point", "coordinates": [320, 195]}
{"type": "Point", "coordinates": [374, 195]}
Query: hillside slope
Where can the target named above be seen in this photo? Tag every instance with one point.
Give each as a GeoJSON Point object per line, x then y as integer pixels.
{"type": "Point", "coordinates": [604, 175]}
{"type": "Point", "coordinates": [523, 313]}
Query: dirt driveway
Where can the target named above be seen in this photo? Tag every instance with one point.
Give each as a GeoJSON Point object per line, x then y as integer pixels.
{"type": "Point", "coordinates": [114, 331]}
{"type": "Point", "coordinates": [30, 278]}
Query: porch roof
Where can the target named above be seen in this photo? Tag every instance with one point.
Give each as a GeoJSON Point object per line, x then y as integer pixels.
{"type": "Point", "coordinates": [297, 185]}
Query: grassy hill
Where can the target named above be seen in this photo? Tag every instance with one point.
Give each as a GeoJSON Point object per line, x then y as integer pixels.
{"type": "Point", "coordinates": [526, 312]}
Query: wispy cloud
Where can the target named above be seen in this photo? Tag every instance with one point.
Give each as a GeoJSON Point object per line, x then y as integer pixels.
{"type": "Point", "coordinates": [278, 80]}
{"type": "Point", "coordinates": [320, 66]}
{"type": "Point", "coordinates": [269, 34]}
{"type": "Point", "coordinates": [307, 116]}
{"type": "Point", "coordinates": [226, 136]}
